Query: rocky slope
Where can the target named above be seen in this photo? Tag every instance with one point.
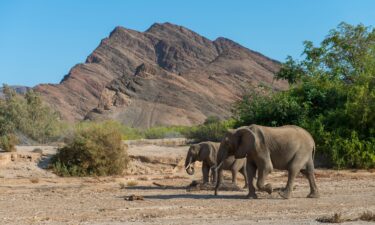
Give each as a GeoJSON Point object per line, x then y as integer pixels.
{"type": "Point", "coordinates": [167, 75]}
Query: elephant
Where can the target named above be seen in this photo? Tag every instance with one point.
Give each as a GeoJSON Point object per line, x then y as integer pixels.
{"type": "Point", "coordinates": [206, 152]}
{"type": "Point", "coordinates": [287, 147]}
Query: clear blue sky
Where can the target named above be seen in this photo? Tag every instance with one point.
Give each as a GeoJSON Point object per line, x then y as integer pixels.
{"type": "Point", "coordinates": [41, 40]}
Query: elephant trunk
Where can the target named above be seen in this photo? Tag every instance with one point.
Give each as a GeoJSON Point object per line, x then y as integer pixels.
{"type": "Point", "coordinates": [188, 165]}
{"type": "Point", "coordinates": [221, 156]}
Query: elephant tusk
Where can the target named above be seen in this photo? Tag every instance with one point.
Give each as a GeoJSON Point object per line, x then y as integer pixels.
{"type": "Point", "coordinates": [190, 162]}
{"type": "Point", "coordinates": [218, 167]}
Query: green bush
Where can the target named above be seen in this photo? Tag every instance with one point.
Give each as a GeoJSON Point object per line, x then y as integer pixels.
{"type": "Point", "coordinates": [129, 133]}
{"type": "Point", "coordinates": [8, 142]}
{"type": "Point", "coordinates": [332, 95]}
{"type": "Point", "coordinates": [165, 132]}
{"type": "Point", "coordinates": [94, 149]}
{"type": "Point", "coordinates": [269, 110]}
{"type": "Point", "coordinates": [211, 119]}
{"type": "Point", "coordinates": [28, 115]}
{"type": "Point", "coordinates": [210, 132]}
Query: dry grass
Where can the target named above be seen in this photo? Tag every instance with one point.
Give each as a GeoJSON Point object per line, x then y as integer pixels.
{"type": "Point", "coordinates": [34, 180]}
{"type": "Point", "coordinates": [338, 218]}
{"type": "Point", "coordinates": [173, 177]}
{"type": "Point", "coordinates": [122, 185]}
{"type": "Point", "coordinates": [132, 183]}
{"type": "Point", "coordinates": [367, 216]}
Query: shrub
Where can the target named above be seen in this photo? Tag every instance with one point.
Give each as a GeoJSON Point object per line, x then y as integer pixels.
{"type": "Point", "coordinates": [94, 149]}
{"type": "Point", "coordinates": [129, 133]}
{"type": "Point", "coordinates": [332, 95]}
{"type": "Point", "coordinates": [27, 115]}
{"type": "Point", "coordinates": [165, 132]}
{"type": "Point", "coordinates": [8, 142]}
{"type": "Point", "coordinates": [269, 110]}
{"type": "Point", "coordinates": [211, 119]}
{"type": "Point", "coordinates": [132, 183]}
{"type": "Point", "coordinates": [210, 132]}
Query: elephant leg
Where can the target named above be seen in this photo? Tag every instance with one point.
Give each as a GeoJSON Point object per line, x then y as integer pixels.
{"type": "Point", "coordinates": [243, 171]}
{"type": "Point", "coordinates": [251, 170]}
{"type": "Point", "coordinates": [262, 176]}
{"type": "Point", "coordinates": [309, 173]}
{"type": "Point", "coordinates": [234, 176]}
{"type": "Point", "coordinates": [219, 180]}
{"type": "Point", "coordinates": [213, 175]}
{"type": "Point", "coordinates": [205, 172]}
{"type": "Point", "coordinates": [294, 169]}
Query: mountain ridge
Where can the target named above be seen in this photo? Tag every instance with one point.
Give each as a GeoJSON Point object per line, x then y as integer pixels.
{"type": "Point", "coordinates": [163, 54]}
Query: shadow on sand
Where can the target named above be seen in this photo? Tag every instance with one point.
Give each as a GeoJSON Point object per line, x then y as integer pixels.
{"type": "Point", "coordinates": [190, 196]}
{"type": "Point", "coordinates": [156, 188]}
{"type": "Point", "coordinates": [194, 196]}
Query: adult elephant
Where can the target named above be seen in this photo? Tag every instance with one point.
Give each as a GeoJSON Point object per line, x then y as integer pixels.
{"type": "Point", "coordinates": [206, 152]}
{"type": "Point", "coordinates": [288, 148]}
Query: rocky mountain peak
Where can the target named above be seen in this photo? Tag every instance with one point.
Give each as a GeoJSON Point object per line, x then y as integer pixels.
{"type": "Point", "coordinates": [167, 75]}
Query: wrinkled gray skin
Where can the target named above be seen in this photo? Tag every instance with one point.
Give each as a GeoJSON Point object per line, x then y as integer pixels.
{"type": "Point", "coordinates": [288, 148]}
{"type": "Point", "coordinates": [206, 152]}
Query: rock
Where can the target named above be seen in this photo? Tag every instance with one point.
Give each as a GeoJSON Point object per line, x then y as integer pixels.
{"type": "Point", "coordinates": [167, 75]}
{"type": "Point", "coordinates": [134, 198]}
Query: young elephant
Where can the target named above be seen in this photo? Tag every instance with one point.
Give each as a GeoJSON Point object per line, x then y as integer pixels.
{"type": "Point", "coordinates": [206, 152]}
{"type": "Point", "coordinates": [288, 148]}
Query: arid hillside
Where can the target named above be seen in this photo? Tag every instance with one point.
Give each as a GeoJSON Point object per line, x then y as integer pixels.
{"type": "Point", "coordinates": [167, 75]}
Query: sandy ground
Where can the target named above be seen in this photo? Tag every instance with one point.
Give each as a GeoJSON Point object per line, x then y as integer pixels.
{"type": "Point", "coordinates": [30, 194]}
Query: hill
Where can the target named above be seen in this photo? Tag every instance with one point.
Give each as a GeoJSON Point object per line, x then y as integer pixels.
{"type": "Point", "coordinates": [167, 75]}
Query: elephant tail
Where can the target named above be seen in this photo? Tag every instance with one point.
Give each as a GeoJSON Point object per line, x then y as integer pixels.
{"type": "Point", "coordinates": [313, 153]}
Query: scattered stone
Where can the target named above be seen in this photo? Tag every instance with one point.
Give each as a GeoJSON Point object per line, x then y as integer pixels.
{"type": "Point", "coordinates": [38, 150]}
{"type": "Point", "coordinates": [134, 198]}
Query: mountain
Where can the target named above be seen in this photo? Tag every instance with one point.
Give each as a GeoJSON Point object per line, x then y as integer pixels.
{"type": "Point", "coordinates": [167, 75]}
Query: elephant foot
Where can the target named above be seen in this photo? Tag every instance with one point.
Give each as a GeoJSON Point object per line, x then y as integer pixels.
{"type": "Point", "coordinates": [216, 193]}
{"type": "Point", "coordinates": [251, 196]}
{"type": "Point", "coordinates": [268, 188]}
{"type": "Point", "coordinates": [285, 194]}
{"type": "Point", "coordinates": [314, 194]}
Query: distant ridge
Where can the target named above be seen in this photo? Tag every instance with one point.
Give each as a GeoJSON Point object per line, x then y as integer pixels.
{"type": "Point", "coordinates": [18, 88]}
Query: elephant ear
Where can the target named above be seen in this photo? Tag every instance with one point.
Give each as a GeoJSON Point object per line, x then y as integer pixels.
{"type": "Point", "coordinates": [204, 152]}
{"type": "Point", "coordinates": [245, 142]}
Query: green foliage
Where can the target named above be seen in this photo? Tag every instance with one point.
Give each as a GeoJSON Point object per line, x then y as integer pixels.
{"type": "Point", "coordinates": [41, 123]}
{"type": "Point", "coordinates": [210, 132]}
{"type": "Point", "coordinates": [332, 95]}
{"type": "Point", "coordinates": [290, 71]}
{"type": "Point", "coordinates": [270, 110]}
{"type": "Point", "coordinates": [211, 119]}
{"type": "Point", "coordinates": [29, 116]}
{"type": "Point", "coordinates": [94, 149]}
{"type": "Point", "coordinates": [8, 142]}
{"type": "Point", "coordinates": [165, 132]}
{"type": "Point", "coordinates": [129, 133]}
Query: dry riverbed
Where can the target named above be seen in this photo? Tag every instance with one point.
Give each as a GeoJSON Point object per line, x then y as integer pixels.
{"type": "Point", "coordinates": [30, 194]}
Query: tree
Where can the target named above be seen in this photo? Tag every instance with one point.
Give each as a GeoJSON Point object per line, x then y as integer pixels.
{"type": "Point", "coordinates": [27, 115]}
{"type": "Point", "coordinates": [332, 95]}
